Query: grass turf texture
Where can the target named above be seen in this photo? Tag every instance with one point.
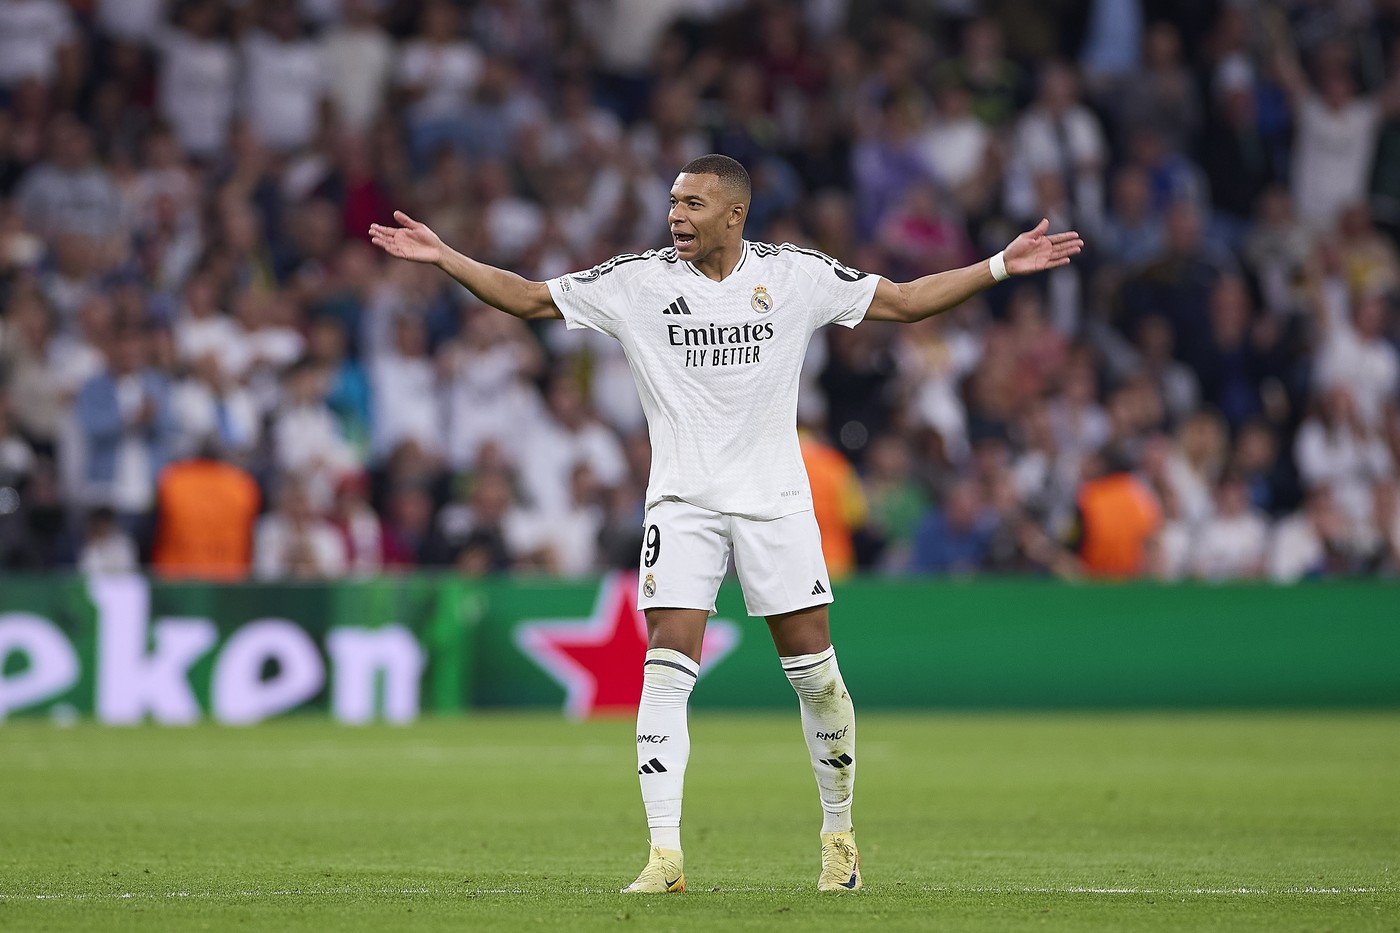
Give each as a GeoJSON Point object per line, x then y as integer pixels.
{"type": "Point", "coordinates": [510, 822]}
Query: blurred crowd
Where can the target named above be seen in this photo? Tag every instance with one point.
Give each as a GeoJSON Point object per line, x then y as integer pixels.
{"type": "Point", "coordinates": [206, 369]}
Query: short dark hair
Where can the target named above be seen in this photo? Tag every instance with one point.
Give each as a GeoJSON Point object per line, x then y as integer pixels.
{"type": "Point", "coordinates": [727, 170]}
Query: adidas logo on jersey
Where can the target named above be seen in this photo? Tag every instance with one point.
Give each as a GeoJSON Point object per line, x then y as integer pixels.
{"type": "Point", "coordinates": [677, 307]}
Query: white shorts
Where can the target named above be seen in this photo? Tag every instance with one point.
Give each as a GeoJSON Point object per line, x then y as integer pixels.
{"type": "Point", "coordinates": [685, 554]}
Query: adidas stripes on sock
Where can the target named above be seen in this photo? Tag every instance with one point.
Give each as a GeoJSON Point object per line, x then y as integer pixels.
{"type": "Point", "coordinates": [829, 723]}
{"type": "Point", "coordinates": [663, 741]}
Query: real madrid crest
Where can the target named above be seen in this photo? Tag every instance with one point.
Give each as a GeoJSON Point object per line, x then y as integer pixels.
{"type": "Point", "coordinates": [762, 302]}
{"type": "Point", "coordinates": [649, 586]}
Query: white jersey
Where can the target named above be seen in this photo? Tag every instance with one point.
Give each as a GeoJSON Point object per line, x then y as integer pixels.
{"type": "Point", "coordinates": [717, 364]}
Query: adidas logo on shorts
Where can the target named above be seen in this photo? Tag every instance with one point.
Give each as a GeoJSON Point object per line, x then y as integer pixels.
{"type": "Point", "coordinates": [818, 589]}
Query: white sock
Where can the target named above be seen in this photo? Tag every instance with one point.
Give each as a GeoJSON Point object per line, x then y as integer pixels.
{"type": "Point", "coordinates": [663, 741]}
{"type": "Point", "coordinates": [829, 722]}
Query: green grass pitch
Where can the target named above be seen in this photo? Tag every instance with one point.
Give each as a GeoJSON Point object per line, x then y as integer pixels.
{"type": "Point", "coordinates": [1127, 822]}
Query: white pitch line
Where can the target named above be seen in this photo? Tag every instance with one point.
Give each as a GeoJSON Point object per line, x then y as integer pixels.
{"type": "Point", "coordinates": [931, 889]}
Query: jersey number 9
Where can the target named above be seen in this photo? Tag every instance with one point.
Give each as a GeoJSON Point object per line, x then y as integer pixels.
{"type": "Point", "coordinates": [653, 546]}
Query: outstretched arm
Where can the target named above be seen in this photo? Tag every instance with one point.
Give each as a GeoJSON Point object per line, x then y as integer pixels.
{"type": "Point", "coordinates": [1033, 251]}
{"type": "Point", "coordinates": [498, 288]}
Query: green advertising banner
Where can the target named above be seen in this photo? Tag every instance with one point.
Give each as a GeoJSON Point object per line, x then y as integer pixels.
{"type": "Point", "coordinates": [976, 644]}
{"type": "Point", "coordinates": [127, 650]}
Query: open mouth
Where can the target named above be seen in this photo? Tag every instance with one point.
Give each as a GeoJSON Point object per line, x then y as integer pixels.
{"type": "Point", "coordinates": [683, 239]}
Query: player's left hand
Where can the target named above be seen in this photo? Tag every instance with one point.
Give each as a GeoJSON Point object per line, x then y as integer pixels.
{"type": "Point", "coordinates": [1035, 250]}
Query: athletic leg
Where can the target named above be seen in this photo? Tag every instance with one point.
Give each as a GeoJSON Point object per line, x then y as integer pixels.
{"type": "Point", "coordinates": [684, 560]}
{"type": "Point", "coordinates": [803, 641]}
{"type": "Point", "coordinates": [663, 738]}
{"type": "Point", "coordinates": [805, 651]}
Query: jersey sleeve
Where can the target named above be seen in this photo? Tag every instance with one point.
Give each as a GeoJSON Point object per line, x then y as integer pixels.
{"type": "Point", "coordinates": [592, 298]}
{"type": "Point", "coordinates": [836, 293]}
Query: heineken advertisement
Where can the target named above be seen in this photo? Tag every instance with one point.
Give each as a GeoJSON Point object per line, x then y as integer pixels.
{"type": "Point", "coordinates": [128, 650]}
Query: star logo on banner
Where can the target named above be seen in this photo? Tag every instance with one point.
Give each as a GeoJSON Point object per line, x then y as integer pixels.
{"type": "Point", "coordinates": [598, 660]}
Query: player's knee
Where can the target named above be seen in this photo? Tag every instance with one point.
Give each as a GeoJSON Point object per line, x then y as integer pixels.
{"type": "Point", "coordinates": [680, 630]}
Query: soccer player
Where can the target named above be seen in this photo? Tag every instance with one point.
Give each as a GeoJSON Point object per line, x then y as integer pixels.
{"type": "Point", "coordinates": [715, 328]}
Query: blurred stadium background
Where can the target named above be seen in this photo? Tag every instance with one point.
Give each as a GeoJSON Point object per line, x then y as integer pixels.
{"type": "Point", "coordinates": [1209, 392]}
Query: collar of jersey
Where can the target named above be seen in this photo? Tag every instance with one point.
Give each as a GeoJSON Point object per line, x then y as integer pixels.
{"type": "Point", "coordinates": [743, 257]}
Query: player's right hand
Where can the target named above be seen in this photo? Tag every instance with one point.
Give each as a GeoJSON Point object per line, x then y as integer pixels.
{"type": "Point", "coordinates": [413, 241]}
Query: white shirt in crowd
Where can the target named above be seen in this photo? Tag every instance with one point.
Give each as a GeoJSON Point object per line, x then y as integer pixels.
{"type": "Point", "coordinates": [113, 553]}
{"type": "Point", "coordinates": [130, 20]}
{"type": "Point", "coordinates": [359, 62]}
{"type": "Point", "coordinates": [83, 200]}
{"type": "Point", "coordinates": [1071, 144]}
{"type": "Point", "coordinates": [405, 403]}
{"type": "Point", "coordinates": [718, 384]}
{"type": "Point", "coordinates": [133, 486]}
{"type": "Point", "coordinates": [309, 445]}
{"type": "Point", "coordinates": [283, 87]}
{"type": "Point", "coordinates": [279, 547]}
{"type": "Point", "coordinates": [1370, 369]}
{"type": "Point", "coordinates": [551, 454]}
{"type": "Point", "coordinates": [1343, 461]}
{"type": "Point", "coordinates": [487, 403]}
{"type": "Point", "coordinates": [216, 334]}
{"type": "Point", "coordinates": [1295, 549]}
{"type": "Point", "coordinates": [1332, 153]}
{"type": "Point", "coordinates": [31, 33]}
{"type": "Point", "coordinates": [955, 150]}
{"type": "Point", "coordinates": [198, 87]}
{"type": "Point", "coordinates": [200, 413]}
{"type": "Point", "coordinates": [1174, 550]}
{"type": "Point", "coordinates": [447, 74]}
{"type": "Point", "coordinates": [1230, 547]}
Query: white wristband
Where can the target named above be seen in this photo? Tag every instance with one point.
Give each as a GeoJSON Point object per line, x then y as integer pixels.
{"type": "Point", "coordinates": [998, 264]}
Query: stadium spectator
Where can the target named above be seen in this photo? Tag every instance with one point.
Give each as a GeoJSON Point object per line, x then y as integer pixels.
{"type": "Point", "coordinates": [205, 512]}
{"type": "Point", "coordinates": [485, 531]}
{"type": "Point", "coordinates": [72, 194]}
{"type": "Point", "coordinates": [348, 389]}
{"type": "Point", "coordinates": [358, 524]}
{"type": "Point", "coordinates": [407, 524]}
{"type": "Point", "coordinates": [959, 150]}
{"type": "Point", "coordinates": [1308, 542]}
{"type": "Point", "coordinates": [838, 502]}
{"type": "Point", "coordinates": [567, 435]}
{"type": "Point", "coordinates": [954, 538]}
{"type": "Point", "coordinates": [306, 436]}
{"type": "Point", "coordinates": [896, 501]}
{"type": "Point", "coordinates": [38, 42]}
{"type": "Point", "coordinates": [284, 80]}
{"type": "Point", "coordinates": [1058, 134]}
{"type": "Point", "coordinates": [208, 403]}
{"type": "Point", "coordinates": [198, 77]}
{"type": "Point", "coordinates": [359, 59]}
{"type": "Point", "coordinates": [294, 541]}
{"type": "Point", "coordinates": [403, 387]}
{"type": "Point", "coordinates": [570, 540]}
{"type": "Point", "coordinates": [1118, 518]}
{"type": "Point", "coordinates": [106, 549]}
{"type": "Point", "coordinates": [1356, 354]}
{"type": "Point", "coordinates": [1335, 448]}
{"type": "Point", "coordinates": [1335, 134]}
{"type": "Point", "coordinates": [1132, 231]}
{"type": "Point", "coordinates": [1232, 544]}
{"type": "Point", "coordinates": [994, 80]}
{"type": "Point", "coordinates": [1387, 526]}
{"type": "Point", "coordinates": [127, 429]}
